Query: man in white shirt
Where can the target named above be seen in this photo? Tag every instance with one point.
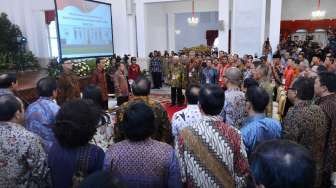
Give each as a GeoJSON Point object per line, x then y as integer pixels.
{"type": "Point", "coordinates": [189, 115]}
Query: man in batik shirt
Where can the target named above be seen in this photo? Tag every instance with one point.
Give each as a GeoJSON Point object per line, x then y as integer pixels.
{"type": "Point", "coordinates": [234, 107]}
{"type": "Point", "coordinates": [325, 88]}
{"type": "Point", "coordinates": [176, 78]}
{"type": "Point", "coordinates": [23, 162]}
{"type": "Point", "coordinates": [212, 153]}
{"type": "Point", "coordinates": [261, 75]}
{"type": "Point", "coordinates": [141, 90]}
{"type": "Point", "coordinates": [40, 115]}
{"type": "Point", "coordinates": [189, 115]}
{"type": "Point", "coordinates": [305, 123]}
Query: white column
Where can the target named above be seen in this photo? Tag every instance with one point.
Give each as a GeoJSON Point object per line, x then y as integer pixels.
{"type": "Point", "coordinates": [248, 26]}
{"type": "Point", "coordinates": [141, 34]}
{"type": "Point", "coordinates": [224, 15]}
{"type": "Point", "coordinates": [171, 31]}
{"type": "Point", "coordinates": [132, 35]}
{"type": "Point", "coordinates": [275, 20]}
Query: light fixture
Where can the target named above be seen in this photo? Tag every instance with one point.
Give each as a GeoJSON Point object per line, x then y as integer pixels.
{"type": "Point", "coordinates": [193, 20]}
{"type": "Point", "coordinates": [318, 14]}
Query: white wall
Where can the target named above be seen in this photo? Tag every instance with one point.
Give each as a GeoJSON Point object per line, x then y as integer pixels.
{"type": "Point", "coordinates": [301, 9]}
{"type": "Point", "coordinates": [156, 30]}
{"type": "Point", "coordinates": [29, 16]}
{"type": "Point", "coordinates": [160, 21]}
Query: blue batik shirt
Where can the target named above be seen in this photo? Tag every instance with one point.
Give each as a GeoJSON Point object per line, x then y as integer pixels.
{"type": "Point", "coordinates": [259, 128]}
{"type": "Point", "coordinates": [40, 118]}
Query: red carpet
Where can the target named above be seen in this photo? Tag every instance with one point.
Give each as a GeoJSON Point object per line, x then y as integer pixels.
{"type": "Point", "coordinates": [165, 101]}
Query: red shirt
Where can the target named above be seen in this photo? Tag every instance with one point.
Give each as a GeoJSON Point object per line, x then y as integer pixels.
{"type": "Point", "coordinates": [289, 76]}
{"type": "Point", "coordinates": [133, 71]}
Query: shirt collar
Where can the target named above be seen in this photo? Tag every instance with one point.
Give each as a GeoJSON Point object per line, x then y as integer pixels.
{"type": "Point", "coordinates": [8, 123]}
{"type": "Point", "coordinates": [256, 117]}
{"type": "Point", "coordinates": [329, 97]}
{"type": "Point", "coordinates": [6, 91]}
{"type": "Point", "coordinates": [46, 98]}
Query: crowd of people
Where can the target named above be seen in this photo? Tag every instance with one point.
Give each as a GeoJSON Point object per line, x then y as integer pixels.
{"type": "Point", "coordinates": [227, 136]}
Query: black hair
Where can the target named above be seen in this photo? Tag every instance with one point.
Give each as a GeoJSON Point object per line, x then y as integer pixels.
{"type": "Point", "coordinates": [6, 80]}
{"type": "Point", "coordinates": [304, 88]}
{"type": "Point", "coordinates": [94, 93]}
{"type": "Point", "coordinates": [101, 179]}
{"type": "Point", "coordinates": [138, 122]}
{"type": "Point", "coordinates": [133, 58]}
{"type": "Point", "coordinates": [76, 123]}
{"type": "Point", "coordinates": [141, 86]}
{"type": "Point", "coordinates": [211, 99]}
{"type": "Point", "coordinates": [9, 105]}
{"type": "Point", "coordinates": [276, 56]}
{"type": "Point", "coordinates": [98, 60]}
{"type": "Point", "coordinates": [321, 68]}
{"type": "Point", "coordinates": [258, 98]}
{"type": "Point", "coordinates": [328, 79]}
{"type": "Point", "coordinates": [283, 164]}
{"type": "Point", "coordinates": [46, 86]}
{"type": "Point", "coordinates": [249, 82]}
{"type": "Point", "coordinates": [192, 93]}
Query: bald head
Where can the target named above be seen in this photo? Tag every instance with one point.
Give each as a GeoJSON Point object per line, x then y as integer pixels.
{"type": "Point", "coordinates": [175, 59]}
{"type": "Point", "coordinates": [233, 75]}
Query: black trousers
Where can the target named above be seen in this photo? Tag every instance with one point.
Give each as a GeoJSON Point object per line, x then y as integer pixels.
{"type": "Point", "coordinates": [121, 100]}
{"type": "Point", "coordinates": [157, 79]}
{"type": "Point", "coordinates": [176, 93]}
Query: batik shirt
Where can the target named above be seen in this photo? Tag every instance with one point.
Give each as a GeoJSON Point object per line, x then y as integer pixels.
{"type": "Point", "coordinates": [23, 162]}
{"type": "Point", "coordinates": [234, 107]}
{"type": "Point", "coordinates": [40, 118]}
{"type": "Point", "coordinates": [212, 154]}
{"type": "Point", "coordinates": [185, 117]}
{"type": "Point", "coordinates": [266, 85]}
{"type": "Point", "coordinates": [328, 105]}
{"type": "Point", "coordinates": [306, 124]}
{"type": "Point", "coordinates": [147, 163]}
{"type": "Point", "coordinates": [163, 131]}
{"type": "Point", "coordinates": [259, 128]}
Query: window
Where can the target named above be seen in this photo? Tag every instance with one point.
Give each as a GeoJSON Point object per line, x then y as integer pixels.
{"type": "Point", "coordinates": [53, 41]}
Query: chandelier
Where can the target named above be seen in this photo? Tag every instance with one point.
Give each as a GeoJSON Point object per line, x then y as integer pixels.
{"type": "Point", "coordinates": [318, 14]}
{"type": "Point", "coordinates": [193, 20]}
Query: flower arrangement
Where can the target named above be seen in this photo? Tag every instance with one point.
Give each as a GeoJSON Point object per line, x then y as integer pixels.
{"type": "Point", "coordinates": [81, 68]}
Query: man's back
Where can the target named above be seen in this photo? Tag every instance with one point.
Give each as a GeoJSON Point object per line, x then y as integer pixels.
{"type": "Point", "coordinates": [306, 124]}
{"type": "Point", "coordinates": [185, 117]}
{"type": "Point", "coordinates": [23, 160]}
{"type": "Point", "coordinates": [234, 107]}
{"type": "Point", "coordinates": [163, 132]}
{"type": "Point", "coordinates": [259, 128]}
{"type": "Point", "coordinates": [328, 105]}
{"type": "Point", "coordinates": [212, 154]}
{"type": "Point", "coordinates": [39, 119]}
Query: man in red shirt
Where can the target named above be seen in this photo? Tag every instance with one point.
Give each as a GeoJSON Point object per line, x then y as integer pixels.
{"type": "Point", "coordinates": [99, 78]}
{"type": "Point", "coordinates": [133, 70]}
{"type": "Point", "coordinates": [289, 73]}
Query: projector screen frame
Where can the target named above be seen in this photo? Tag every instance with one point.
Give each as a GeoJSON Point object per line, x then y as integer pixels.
{"type": "Point", "coordinates": [59, 38]}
